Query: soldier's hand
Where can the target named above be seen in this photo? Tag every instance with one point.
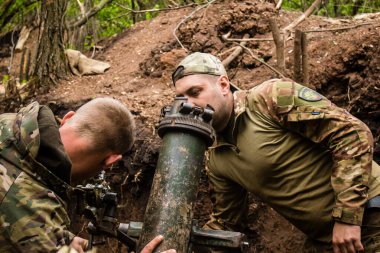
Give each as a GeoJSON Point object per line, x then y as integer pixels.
{"type": "Point", "coordinates": [154, 243]}
{"type": "Point", "coordinates": [79, 244]}
{"type": "Point", "coordinates": [347, 238]}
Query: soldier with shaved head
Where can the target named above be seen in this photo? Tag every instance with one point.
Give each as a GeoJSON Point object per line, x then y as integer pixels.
{"type": "Point", "coordinates": [38, 162]}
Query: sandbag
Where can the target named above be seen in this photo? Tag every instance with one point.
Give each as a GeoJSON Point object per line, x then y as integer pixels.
{"type": "Point", "coordinates": [82, 65]}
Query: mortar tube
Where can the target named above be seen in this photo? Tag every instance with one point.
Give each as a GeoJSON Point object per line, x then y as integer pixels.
{"type": "Point", "coordinates": [170, 207]}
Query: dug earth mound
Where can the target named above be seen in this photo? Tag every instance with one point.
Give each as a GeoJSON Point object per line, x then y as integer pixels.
{"type": "Point", "coordinates": [344, 65]}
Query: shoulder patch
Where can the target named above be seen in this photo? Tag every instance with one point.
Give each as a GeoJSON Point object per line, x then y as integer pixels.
{"type": "Point", "coordinates": [310, 95]}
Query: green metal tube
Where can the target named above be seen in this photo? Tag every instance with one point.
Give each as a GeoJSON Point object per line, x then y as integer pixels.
{"type": "Point", "coordinates": [169, 211]}
{"type": "Point", "coordinates": [186, 133]}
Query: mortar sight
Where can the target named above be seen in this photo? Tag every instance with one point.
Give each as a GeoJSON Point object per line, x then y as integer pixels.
{"type": "Point", "coordinates": [185, 117]}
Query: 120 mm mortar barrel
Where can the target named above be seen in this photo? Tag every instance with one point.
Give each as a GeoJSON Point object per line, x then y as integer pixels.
{"type": "Point", "coordinates": [186, 132]}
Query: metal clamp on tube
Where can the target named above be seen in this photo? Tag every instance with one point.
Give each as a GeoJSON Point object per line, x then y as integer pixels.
{"type": "Point", "coordinates": [185, 117]}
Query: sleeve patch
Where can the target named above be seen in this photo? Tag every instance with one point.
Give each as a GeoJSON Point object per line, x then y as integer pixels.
{"type": "Point", "coordinates": [309, 95]}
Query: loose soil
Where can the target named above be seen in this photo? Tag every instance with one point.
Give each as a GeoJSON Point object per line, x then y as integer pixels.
{"type": "Point", "coordinates": [344, 66]}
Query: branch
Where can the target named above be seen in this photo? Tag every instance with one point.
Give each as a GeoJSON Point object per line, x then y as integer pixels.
{"type": "Point", "coordinates": [12, 52]}
{"type": "Point", "coordinates": [89, 14]}
{"type": "Point", "coordinates": [226, 37]}
{"type": "Point", "coordinates": [156, 10]}
{"type": "Point", "coordinates": [186, 18]}
{"type": "Point", "coordinates": [23, 36]}
{"type": "Point", "coordinates": [172, 2]}
{"type": "Point", "coordinates": [301, 18]}
{"type": "Point", "coordinates": [297, 54]}
{"type": "Point", "coordinates": [280, 44]}
{"type": "Point", "coordinates": [227, 51]}
{"type": "Point", "coordinates": [81, 7]}
{"type": "Point", "coordinates": [263, 62]}
{"type": "Point", "coordinates": [278, 5]}
{"type": "Point", "coordinates": [249, 39]}
{"type": "Point", "coordinates": [305, 60]}
{"type": "Point", "coordinates": [342, 28]}
{"type": "Point", "coordinates": [235, 53]}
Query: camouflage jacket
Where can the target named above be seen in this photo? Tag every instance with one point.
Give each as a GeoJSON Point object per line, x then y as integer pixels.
{"type": "Point", "coordinates": [307, 158]}
{"type": "Point", "coordinates": [32, 213]}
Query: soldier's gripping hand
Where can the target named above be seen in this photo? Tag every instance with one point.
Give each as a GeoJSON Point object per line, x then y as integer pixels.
{"type": "Point", "coordinates": [347, 238]}
{"type": "Point", "coordinates": [79, 244]}
{"type": "Point", "coordinates": [154, 243]}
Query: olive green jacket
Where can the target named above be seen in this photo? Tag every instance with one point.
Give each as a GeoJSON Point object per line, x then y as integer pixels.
{"type": "Point", "coordinates": [32, 213]}
{"type": "Point", "coordinates": [305, 157]}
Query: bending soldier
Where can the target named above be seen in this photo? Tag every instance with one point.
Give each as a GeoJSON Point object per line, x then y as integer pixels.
{"type": "Point", "coordinates": [308, 159]}
{"type": "Point", "coordinates": [39, 160]}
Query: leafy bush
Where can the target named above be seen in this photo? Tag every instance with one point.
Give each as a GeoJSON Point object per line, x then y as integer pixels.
{"type": "Point", "coordinates": [336, 8]}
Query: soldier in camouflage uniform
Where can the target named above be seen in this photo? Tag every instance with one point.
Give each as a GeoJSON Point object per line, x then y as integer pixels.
{"type": "Point", "coordinates": [308, 159]}
{"type": "Point", "coordinates": [38, 161]}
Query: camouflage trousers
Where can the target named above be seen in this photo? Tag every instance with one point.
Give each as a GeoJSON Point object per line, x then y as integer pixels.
{"type": "Point", "coordinates": [370, 235]}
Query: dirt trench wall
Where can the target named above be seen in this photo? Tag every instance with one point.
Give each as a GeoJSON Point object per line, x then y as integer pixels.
{"type": "Point", "coordinates": [205, 29]}
{"type": "Point", "coordinates": [351, 77]}
{"type": "Point", "coordinates": [343, 64]}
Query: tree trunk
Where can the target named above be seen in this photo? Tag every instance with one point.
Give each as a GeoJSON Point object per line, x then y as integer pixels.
{"type": "Point", "coordinates": [50, 59]}
{"type": "Point", "coordinates": [356, 7]}
{"type": "Point", "coordinates": [336, 8]}
{"type": "Point", "coordinates": [133, 7]}
{"type": "Point", "coordinates": [91, 26]}
{"type": "Point", "coordinates": [297, 51]}
{"type": "Point", "coordinates": [280, 44]}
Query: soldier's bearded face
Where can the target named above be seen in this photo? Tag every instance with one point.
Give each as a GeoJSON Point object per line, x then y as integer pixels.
{"type": "Point", "coordinates": [202, 90]}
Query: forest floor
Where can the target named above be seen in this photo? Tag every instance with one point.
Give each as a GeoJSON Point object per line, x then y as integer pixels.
{"type": "Point", "coordinates": [344, 66]}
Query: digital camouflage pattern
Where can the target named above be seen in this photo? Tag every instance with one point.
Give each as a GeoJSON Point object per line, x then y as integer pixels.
{"type": "Point", "coordinates": [307, 158]}
{"type": "Point", "coordinates": [200, 63]}
{"type": "Point", "coordinates": [349, 140]}
{"type": "Point", "coordinates": [32, 216]}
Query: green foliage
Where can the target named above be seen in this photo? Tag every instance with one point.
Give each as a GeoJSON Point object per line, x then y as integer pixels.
{"type": "Point", "coordinates": [113, 19]}
{"type": "Point", "coordinates": [116, 17]}
{"type": "Point", "coordinates": [16, 13]}
{"type": "Point", "coordinates": [5, 79]}
{"type": "Point", "coordinates": [89, 42]}
{"type": "Point", "coordinates": [336, 8]}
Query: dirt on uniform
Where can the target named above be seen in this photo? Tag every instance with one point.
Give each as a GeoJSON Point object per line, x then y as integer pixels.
{"type": "Point", "coordinates": [344, 66]}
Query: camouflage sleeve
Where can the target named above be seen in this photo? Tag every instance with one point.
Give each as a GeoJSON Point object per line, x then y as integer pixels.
{"type": "Point", "coordinates": [230, 204]}
{"type": "Point", "coordinates": [33, 218]}
{"type": "Point", "coordinates": [311, 115]}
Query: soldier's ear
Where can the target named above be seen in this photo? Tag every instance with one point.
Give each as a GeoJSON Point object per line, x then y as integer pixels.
{"type": "Point", "coordinates": [67, 117]}
{"type": "Point", "coordinates": [111, 159]}
{"type": "Point", "coordinates": [224, 84]}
